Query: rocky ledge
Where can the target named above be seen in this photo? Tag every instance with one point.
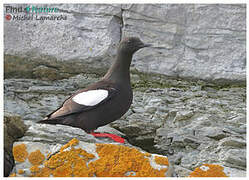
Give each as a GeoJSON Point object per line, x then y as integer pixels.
{"type": "Point", "coordinates": [42, 152]}
{"type": "Point", "coordinates": [191, 122]}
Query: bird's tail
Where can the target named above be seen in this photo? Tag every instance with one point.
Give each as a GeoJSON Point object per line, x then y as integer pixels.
{"type": "Point", "coordinates": [65, 120]}
{"type": "Point", "coordinates": [49, 121]}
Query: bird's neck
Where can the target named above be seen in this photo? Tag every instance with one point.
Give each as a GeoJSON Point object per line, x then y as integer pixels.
{"type": "Point", "coordinates": [120, 69]}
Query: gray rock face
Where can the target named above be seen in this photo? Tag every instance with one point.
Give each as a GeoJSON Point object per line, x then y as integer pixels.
{"type": "Point", "coordinates": [191, 123]}
{"type": "Point", "coordinates": [194, 41]}
{"type": "Point", "coordinates": [60, 134]}
{"type": "Point", "coordinates": [190, 41]}
{"type": "Point", "coordinates": [81, 36]}
{"type": "Point", "coordinates": [49, 144]}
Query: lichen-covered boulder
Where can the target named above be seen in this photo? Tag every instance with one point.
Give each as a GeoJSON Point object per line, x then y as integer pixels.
{"type": "Point", "coordinates": [216, 170]}
{"type": "Point", "coordinates": [81, 159]}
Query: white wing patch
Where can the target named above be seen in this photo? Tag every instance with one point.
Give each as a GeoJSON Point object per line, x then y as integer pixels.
{"type": "Point", "coordinates": [90, 98]}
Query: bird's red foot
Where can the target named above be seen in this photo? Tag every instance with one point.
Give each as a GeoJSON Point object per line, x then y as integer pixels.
{"type": "Point", "coordinates": [112, 136]}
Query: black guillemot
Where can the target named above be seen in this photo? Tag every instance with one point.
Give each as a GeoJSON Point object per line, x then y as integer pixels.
{"type": "Point", "coordinates": [104, 101]}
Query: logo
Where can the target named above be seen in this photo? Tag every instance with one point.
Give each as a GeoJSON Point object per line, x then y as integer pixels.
{"type": "Point", "coordinates": [33, 12]}
{"type": "Point", "coordinates": [8, 17]}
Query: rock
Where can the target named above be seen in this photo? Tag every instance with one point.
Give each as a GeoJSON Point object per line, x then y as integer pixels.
{"type": "Point", "coordinates": [235, 158]}
{"type": "Point", "coordinates": [216, 170]}
{"type": "Point", "coordinates": [173, 111]}
{"type": "Point", "coordinates": [14, 128]}
{"type": "Point", "coordinates": [212, 132]}
{"type": "Point", "coordinates": [195, 36]}
{"type": "Point", "coordinates": [232, 141]}
{"type": "Point", "coordinates": [81, 159]}
{"type": "Point", "coordinates": [190, 159]}
{"type": "Point", "coordinates": [82, 35]}
{"type": "Point", "coordinates": [187, 54]}
{"type": "Point", "coordinates": [183, 115]}
{"type": "Point", "coordinates": [108, 129]}
{"type": "Point", "coordinates": [216, 125]}
{"type": "Point", "coordinates": [233, 172]}
{"type": "Point", "coordinates": [59, 134]}
{"type": "Point", "coordinates": [43, 143]}
{"type": "Point", "coordinates": [181, 172]}
{"type": "Point", "coordinates": [209, 170]}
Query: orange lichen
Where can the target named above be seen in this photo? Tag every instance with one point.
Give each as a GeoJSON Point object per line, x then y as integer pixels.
{"type": "Point", "coordinates": [81, 170]}
{"type": "Point", "coordinates": [36, 157]}
{"type": "Point", "coordinates": [114, 161]}
{"type": "Point", "coordinates": [70, 163]}
{"type": "Point", "coordinates": [20, 152]}
{"type": "Point", "coordinates": [48, 155]}
{"type": "Point", "coordinates": [208, 170]}
{"type": "Point", "coordinates": [34, 168]}
{"type": "Point", "coordinates": [43, 172]}
{"type": "Point", "coordinates": [20, 171]}
{"type": "Point", "coordinates": [117, 160]}
{"type": "Point", "coordinates": [161, 160]}
{"type": "Point", "coordinates": [71, 143]}
{"type": "Point", "coordinates": [74, 156]}
{"type": "Point", "coordinates": [12, 175]}
{"type": "Point", "coordinates": [147, 154]}
{"type": "Point", "coordinates": [63, 171]}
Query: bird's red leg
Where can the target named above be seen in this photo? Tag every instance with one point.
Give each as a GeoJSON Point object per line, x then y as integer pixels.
{"type": "Point", "coordinates": [114, 137]}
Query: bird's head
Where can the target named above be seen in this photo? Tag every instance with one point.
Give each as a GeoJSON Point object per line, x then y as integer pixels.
{"type": "Point", "coordinates": [130, 45]}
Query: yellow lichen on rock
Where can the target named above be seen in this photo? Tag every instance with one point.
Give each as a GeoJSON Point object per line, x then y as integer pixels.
{"type": "Point", "coordinates": [34, 168]}
{"type": "Point", "coordinates": [113, 161]}
{"type": "Point", "coordinates": [48, 155]}
{"type": "Point", "coordinates": [20, 171]}
{"type": "Point", "coordinates": [71, 143]}
{"type": "Point", "coordinates": [208, 170]}
{"type": "Point", "coordinates": [20, 153]}
{"type": "Point", "coordinates": [12, 175]}
{"type": "Point", "coordinates": [162, 160]}
{"type": "Point", "coordinates": [147, 154]}
{"type": "Point", "coordinates": [117, 160]}
{"type": "Point", "coordinates": [36, 157]}
{"type": "Point", "coordinates": [63, 171]}
{"type": "Point", "coordinates": [43, 172]}
{"type": "Point", "coordinates": [81, 170]}
{"type": "Point", "coordinates": [70, 163]}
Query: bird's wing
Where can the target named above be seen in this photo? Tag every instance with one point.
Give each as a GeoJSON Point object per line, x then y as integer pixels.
{"type": "Point", "coordinates": [85, 100]}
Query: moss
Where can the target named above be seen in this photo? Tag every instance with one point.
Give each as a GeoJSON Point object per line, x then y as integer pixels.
{"type": "Point", "coordinates": [20, 153]}
{"type": "Point", "coordinates": [154, 80]}
{"type": "Point", "coordinates": [15, 66]}
{"type": "Point", "coordinates": [208, 170]}
{"type": "Point", "coordinates": [148, 80]}
{"type": "Point", "coordinates": [36, 157]}
{"type": "Point", "coordinates": [46, 68]}
{"type": "Point", "coordinates": [49, 68]}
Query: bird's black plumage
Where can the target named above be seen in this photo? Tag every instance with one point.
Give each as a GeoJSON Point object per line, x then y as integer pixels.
{"type": "Point", "coordinates": [116, 83]}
